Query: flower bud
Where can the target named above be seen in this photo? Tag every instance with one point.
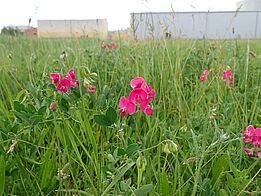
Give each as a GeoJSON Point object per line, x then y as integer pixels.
{"type": "Point", "coordinates": [170, 147]}
{"type": "Point", "coordinates": [53, 106]}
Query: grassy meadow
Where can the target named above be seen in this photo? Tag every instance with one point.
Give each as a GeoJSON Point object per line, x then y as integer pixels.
{"type": "Point", "coordinates": [191, 144]}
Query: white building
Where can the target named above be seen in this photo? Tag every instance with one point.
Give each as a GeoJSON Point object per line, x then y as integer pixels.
{"type": "Point", "coordinates": [197, 25]}
{"type": "Point", "coordinates": [73, 28]}
{"type": "Point", "coordinates": [249, 5]}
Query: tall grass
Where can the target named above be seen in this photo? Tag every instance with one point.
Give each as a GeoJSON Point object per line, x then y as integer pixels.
{"type": "Point", "coordinates": [129, 157]}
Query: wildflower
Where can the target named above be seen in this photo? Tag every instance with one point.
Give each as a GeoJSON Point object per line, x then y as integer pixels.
{"type": "Point", "coordinates": [71, 76]}
{"type": "Point", "coordinates": [256, 139]}
{"type": "Point", "coordinates": [92, 89]}
{"type": "Point", "coordinates": [142, 94]}
{"type": "Point", "coordinates": [104, 46]}
{"type": "Point", "coordinates": [63, 84]}
{"type": "Point", "coordinates": [248, 133]}
{"type": "Point", "coordinates": [203, 76]}
{"type": "Point", "coordinates": [136, 82]}
{"type": "Point", "coordinates": [227, 77]}
{"type": "Point", "coordinates": [248, 151]}
{"type": "Point", "coordinates": [55, 77]}
{"type": "Point", "coordinates": [112, 45]}
{"type": "Point", "coordinates": [126, 107]}
{"type": "Point", "coordinates": [252, 135]}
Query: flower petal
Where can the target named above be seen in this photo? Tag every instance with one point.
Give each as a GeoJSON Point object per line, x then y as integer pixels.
{"type": "Point", "coordinates": [248, 151]}
{"type": "Point", "coordinates": [136, 82]}
{"type": "Point", "coordinates": [55, 77]}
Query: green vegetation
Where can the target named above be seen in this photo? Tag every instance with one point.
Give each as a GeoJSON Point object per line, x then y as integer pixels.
{"type": "Point", "coordinates": [11, 31]}
{"type": "Point", "coordinates": [191, 145]}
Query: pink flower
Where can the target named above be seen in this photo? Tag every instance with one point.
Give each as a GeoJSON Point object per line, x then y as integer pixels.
{"type": "Point", "coordinates": [248, 134]}
{"type": "Point", "coordinates": [126, 107]}
{"type": "Point", "coordinates": [248, 151]}
{"type": "Point", "coordinates": [71, 76]}
{"type": "Point", "coordinates": [142, 94]}
{"type": "Point", "coordinates": [92, 89]}
{"type": "Point", "coordinates": [206, 72]}
{"type": "Point", "coordinates": [148, 110]}
{"type": "Point", "coordinates": [55, 77]}
{"type": "Point", "coordinates": [256, 139]}
{"type": "Point", "coordinates": [203, 76]}
{"type": "Point", "coordinates": [258, 154]}
{"type": "Point", "coordinates": [252, 135]}
{"type": "Point", "coordinates": [228, 77]}
{"type": "Point", "coordinates": [112, 45]}
{"type": "Point", "coordinates": [136, 82]}
{"type": "Point", "coordinates": [64, 85]}
{"type": "Point", "coordinates": [104, 46]}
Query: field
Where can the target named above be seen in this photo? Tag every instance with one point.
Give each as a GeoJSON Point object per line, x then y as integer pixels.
{"type": "Point", "coordinates": [78, 143]}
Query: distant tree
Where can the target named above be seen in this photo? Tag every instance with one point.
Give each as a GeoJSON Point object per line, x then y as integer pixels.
{"type": "Point", "coordinates": [12, 31]}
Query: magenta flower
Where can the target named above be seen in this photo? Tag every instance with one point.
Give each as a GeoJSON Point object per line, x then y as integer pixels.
{"type": "Point", "coordinates": [253, 136]}
{"type": "Point", "coordinates": [256, 139]}
{"type": "Point", "coordinates": [64, 85]}
{"type": "Point", "coordinates": [248, 151]}
{"type": "Point", "coordinates": [203, 76]}
{"type": "Point", "coordinates": [228, 77]}
{"type": "Point", "coordinates": [112, 45]}
{"type": "Point", "coordinates": [206, 72]}
{"type": "Point", "coordinates": [248, 133]}
{"type": "Point", "coordinates": [55, 77]}
{"type": "Point", "coordinates": [148, 110]}
{"type": "Point", "coordinates": [104, 46]}
{"type": "Point", "coordinates": [92, 89]}
{"type": "Point", "coordinates": [71, 76]}
{"type": "Point", "coordinates": [141, 94]}
{"type": "Point", "coordinates": [126, 107]}
{"type": "Point", "coordinates": [136, 82]}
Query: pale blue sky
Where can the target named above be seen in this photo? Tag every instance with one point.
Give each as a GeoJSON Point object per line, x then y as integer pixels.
{"type": "Point", "coordinates": [117, 12]}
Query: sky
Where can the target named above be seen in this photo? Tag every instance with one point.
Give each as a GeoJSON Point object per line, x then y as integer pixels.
{"type": "Point", "coordinates": [117, 12]}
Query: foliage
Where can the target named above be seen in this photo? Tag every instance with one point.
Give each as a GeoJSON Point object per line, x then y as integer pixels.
{"type": "Point", "coordinates": [12, 31]}
{"type": "Point", "coordinates": [55, 143]}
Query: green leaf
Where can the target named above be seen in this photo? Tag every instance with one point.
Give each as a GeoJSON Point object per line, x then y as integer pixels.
{"type": "Point", "coordinates": [143, 190]}
{"type": "Point", "coordinates": [102, 120]}
{"type": "Point", "coordinates": [108, 119]}
{"type": "Point", "coordinates": [219, 167]}
{"type": "Point", "coordinates": [230, 180]}
{"type": "Point", "coordinates": [2, 175]}
{"type": "Point", "coordinates": [64, 105]}
{"type": "Point", "coordinates": [35, 119]}
{"type": "Point", "coordinates": [164, 184]}
{"type": "Point", "coordinates": [42, 110]}
{"type": "Point", "coordinates": [20, 94]}
{"type": "Point", "coordinates": [111, 115]}
{"type": "Point", "coordinates": [132, 149]}
{"type": "Point", "coordinates": [18, 106]}
{"type": "Point", "coordinates": [31, 109]}
{"type": "Point", "coordinates": [118, 176]}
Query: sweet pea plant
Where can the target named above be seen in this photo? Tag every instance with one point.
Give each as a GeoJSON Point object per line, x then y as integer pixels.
{"type": "Point", "coordinates": [66, 128]}
{"type": "Point", "coordinates": [142, 94]}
